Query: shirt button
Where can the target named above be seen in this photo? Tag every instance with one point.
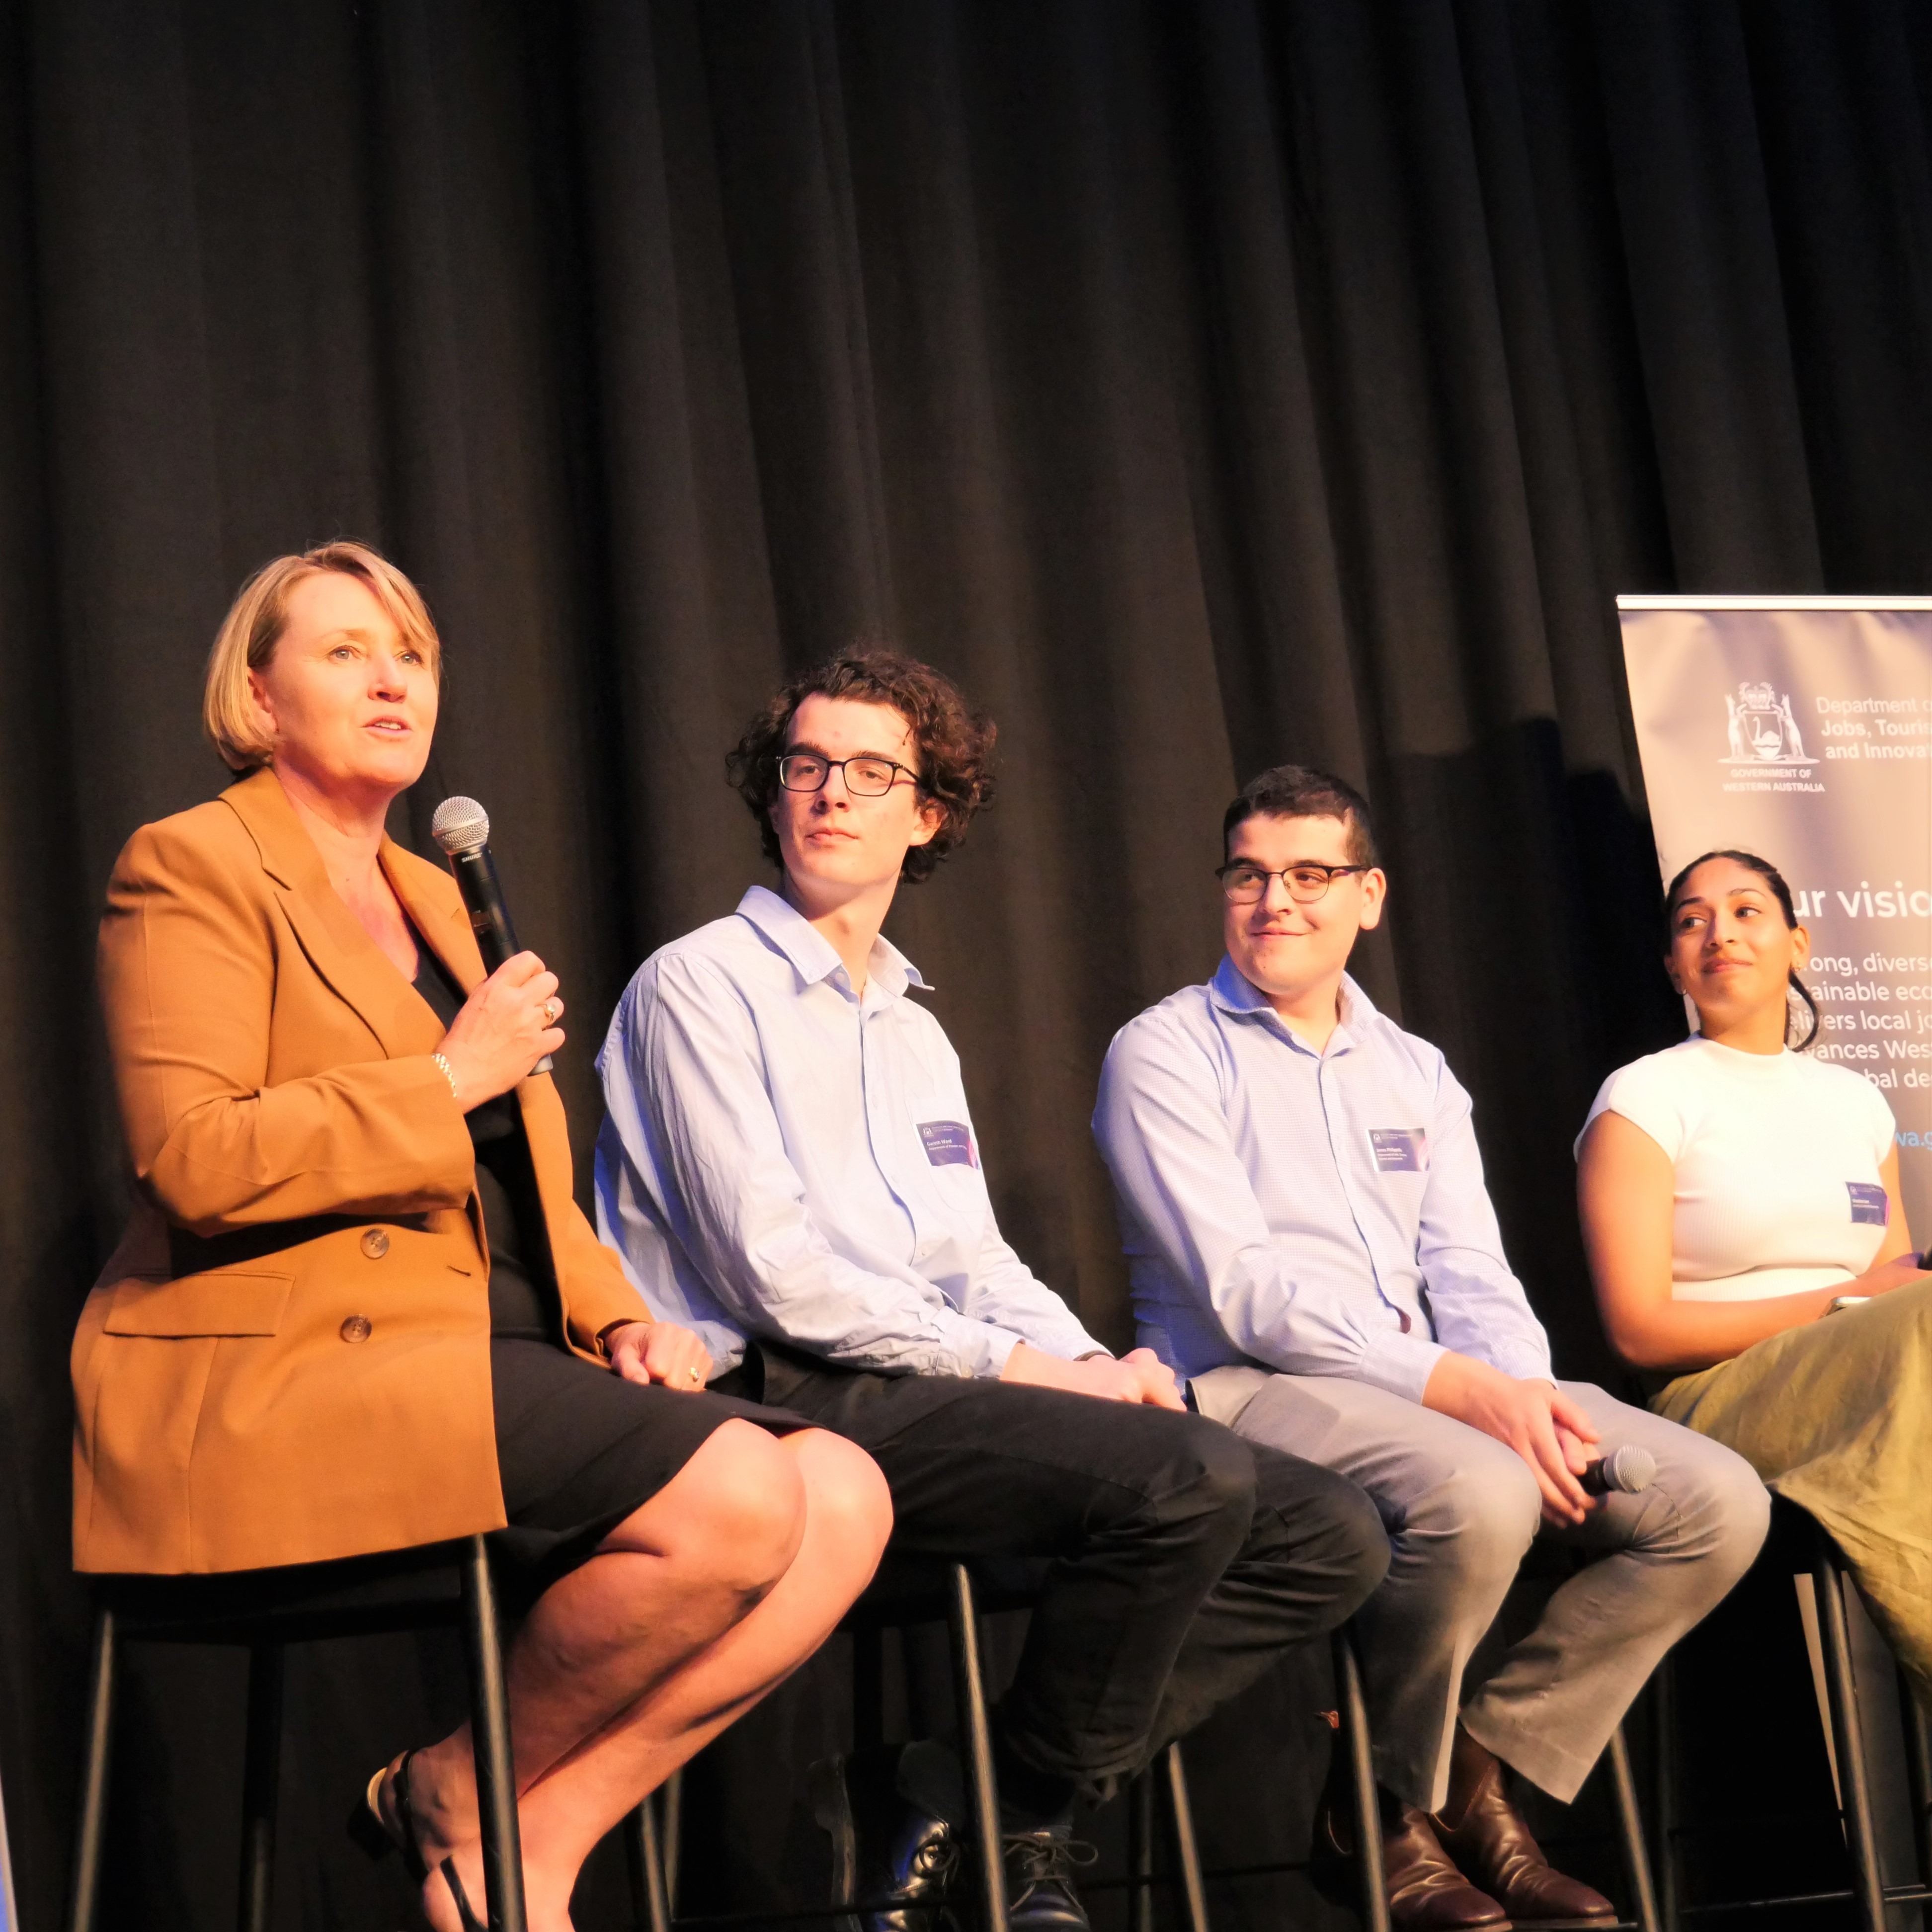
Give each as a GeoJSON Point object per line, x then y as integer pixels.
{"type": "Point", "coordinates": [375, 1245]}
{"type": "Point", "coordinates": [358, 1328]}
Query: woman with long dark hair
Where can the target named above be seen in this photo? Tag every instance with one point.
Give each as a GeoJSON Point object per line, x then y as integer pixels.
{"type": "Point", "coordinates": [1735, 1190]}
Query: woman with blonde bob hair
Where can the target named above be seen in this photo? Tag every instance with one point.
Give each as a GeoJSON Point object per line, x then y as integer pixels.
{"type": "Point", "coordinates": [246, 639]}
{"type": "Point", "coordinates": [357, 1308]}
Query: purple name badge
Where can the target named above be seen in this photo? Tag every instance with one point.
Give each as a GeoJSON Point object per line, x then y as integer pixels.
{"type": "Point", "coordinates": [948, 1143]}
{"type": "Point", "coordinates": [1869, 1203]}
{"type": "Point", "coordinates": [1400, 1150]}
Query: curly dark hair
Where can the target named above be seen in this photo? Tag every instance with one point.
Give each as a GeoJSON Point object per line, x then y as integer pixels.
{"type": "Point", "coordinates": [954, 742]}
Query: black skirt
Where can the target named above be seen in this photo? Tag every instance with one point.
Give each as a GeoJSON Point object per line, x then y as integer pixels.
{"type": "Point", "coordinates": [578, 1448]}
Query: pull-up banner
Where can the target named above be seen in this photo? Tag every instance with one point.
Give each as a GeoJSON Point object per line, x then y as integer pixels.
{"type": "Point", "coordinates": [1800, 729]}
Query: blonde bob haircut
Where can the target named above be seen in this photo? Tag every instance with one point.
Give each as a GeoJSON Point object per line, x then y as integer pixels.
{"type": "Point", "coordinates": [254, 624]}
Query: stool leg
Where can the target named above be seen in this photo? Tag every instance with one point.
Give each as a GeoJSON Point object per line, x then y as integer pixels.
{"type": "Point", "coordinates": [260, 1784]}
{"type": "Point", "coordinates": [1186, 1849]}
{"type": "Point", "coordinates": [674, 1835]}
{"type": "Point", "coordinates": [1848, 1736]}
{"type": "Point", "coordinates": [1354, 1713]}
{"type": "Point", "coordinates": [1629, 1830]}
{"type": "Point", "coordinates": [1918, 1785]}
{"type": "Point", "coordinates": [489, 1733]}
{"type": "Point", "coordinates": [969, 1686]}
{"type": "Point", "coordinates": [1664, 1716]}
{"type": "Point", "coordinates": [650, 1903]}
{"type": "Point", "coordinates": [90, 1841]}
{"type": "Point", "coordinates": [1140, 1853]}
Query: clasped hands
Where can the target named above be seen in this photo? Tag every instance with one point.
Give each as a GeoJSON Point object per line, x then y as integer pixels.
{"type": "Point", "coordinates": [1139, 1376]}
{"type": "Point", "coordinates": [1536, 1419]}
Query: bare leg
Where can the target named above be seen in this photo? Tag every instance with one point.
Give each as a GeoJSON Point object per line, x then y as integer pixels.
{"type": "Point", "coordinates": [697, 1605]}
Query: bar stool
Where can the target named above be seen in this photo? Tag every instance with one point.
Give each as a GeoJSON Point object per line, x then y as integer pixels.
{"type": "Point", "coordinates": [265, 1611]}
{"type": "Point", "coordinates": [910, 1591]}
{"type": "Point", "coordinates": [1798, 1543]}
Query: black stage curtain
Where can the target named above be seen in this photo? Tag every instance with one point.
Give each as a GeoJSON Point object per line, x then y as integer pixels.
{"type": "Point", "coordinates": [1205, 385]}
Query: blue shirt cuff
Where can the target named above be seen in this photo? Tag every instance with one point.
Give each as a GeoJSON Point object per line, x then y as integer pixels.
{"type": "Point", "coordinates": [983, 1351]}
{"type": "Point", "coordinates": [1400, 1363]}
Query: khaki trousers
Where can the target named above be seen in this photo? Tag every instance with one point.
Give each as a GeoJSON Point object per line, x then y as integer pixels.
{"type": "Point", "coordinates": [1461, 1511]}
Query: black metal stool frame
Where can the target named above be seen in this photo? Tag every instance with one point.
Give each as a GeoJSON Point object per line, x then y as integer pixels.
{"type": "Point", "coordinates": [1868, 1890]}
{"type": "Point", "coordinates": [265, 1611]}
{"type": "Point", "coordinates": [652, 1841]}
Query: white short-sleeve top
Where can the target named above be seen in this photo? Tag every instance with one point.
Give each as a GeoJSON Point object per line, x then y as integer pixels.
{"type": "Point", "coordinates": [1777, 1158]}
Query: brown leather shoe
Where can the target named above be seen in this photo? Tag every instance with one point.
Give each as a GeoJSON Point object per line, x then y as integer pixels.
{"type": "Point", "coordinates": [1426, 1892]}
{"type": "Point", "coordinates": [1491, 1842]}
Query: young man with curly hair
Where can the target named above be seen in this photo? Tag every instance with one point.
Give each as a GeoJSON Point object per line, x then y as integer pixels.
{"type": "Point", "coordinates": [788, 1165]}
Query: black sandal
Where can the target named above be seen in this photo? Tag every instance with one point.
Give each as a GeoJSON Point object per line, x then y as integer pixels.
{"type": "Point", "coordinates": [366, 1826]}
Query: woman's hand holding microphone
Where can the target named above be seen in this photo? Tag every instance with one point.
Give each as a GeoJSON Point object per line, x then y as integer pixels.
{"type": "Point", "coordinates": [505, 1027]}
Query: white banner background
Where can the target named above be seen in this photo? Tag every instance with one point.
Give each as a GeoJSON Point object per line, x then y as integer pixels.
{"type": "Point", "coordinates": [1800, 729]}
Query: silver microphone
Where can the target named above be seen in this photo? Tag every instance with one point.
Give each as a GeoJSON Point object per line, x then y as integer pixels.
{"type": "Point", "coordinates": [1627, 1468]}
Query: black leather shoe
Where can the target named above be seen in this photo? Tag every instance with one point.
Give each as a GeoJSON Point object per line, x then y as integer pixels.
{"type": "Point", "coordinates": [887, 1852]}
{"type": "Point", "coordinates": [1040, 1896]}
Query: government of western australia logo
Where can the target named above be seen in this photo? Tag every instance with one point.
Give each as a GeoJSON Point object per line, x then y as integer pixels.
{"type": "Point", "coordinates": [1763, 729]}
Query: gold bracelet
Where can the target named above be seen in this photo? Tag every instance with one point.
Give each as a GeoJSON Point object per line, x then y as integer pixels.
{"type": "Point", "coordinates": [447, 1075]}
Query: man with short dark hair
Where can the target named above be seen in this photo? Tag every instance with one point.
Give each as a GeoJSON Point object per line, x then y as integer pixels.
{"type": "Point", "coordinates": [1313, 1250]}
{"type": "Point", "coordinates": [788, 1165]}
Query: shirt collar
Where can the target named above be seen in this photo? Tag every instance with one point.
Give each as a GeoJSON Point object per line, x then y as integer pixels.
{"type": "Point", "coordinates": [812, 955]}
{"type": "Point", "coordinates": [1234, 992]}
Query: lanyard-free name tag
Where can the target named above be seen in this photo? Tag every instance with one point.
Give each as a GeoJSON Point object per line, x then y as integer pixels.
{"type": "Point", "coordinates": [948, 1143]}
{"type": "Point", "coordinates": [1869, 1203]}
{"type": "Point", "coordinates": [1400, 1150]}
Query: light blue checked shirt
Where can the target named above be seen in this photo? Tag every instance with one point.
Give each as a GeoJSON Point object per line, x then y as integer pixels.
{"type": "Point", "coordinates": [782, 1158]}
{"type": "Point", "coordinates": [1323, 1213]}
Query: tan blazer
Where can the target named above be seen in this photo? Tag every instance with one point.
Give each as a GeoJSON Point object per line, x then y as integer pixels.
{"type": "Point", "coordinates": [287, 1357]}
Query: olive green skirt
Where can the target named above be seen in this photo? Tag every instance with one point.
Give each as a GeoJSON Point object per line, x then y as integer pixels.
{"type": "Point", "coordinates": [1836, 1416]}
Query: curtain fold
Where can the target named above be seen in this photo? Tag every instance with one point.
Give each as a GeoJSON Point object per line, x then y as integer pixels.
{"type": "Point", "coordinates": [1205, 384]}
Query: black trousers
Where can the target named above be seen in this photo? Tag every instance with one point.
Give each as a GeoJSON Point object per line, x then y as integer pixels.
{"type": "Point", "coordinates": [1181, 1559]}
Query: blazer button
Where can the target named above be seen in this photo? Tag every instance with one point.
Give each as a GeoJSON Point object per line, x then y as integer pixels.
{"type": "Point", "coordinates": [375, 1244]}
{"type": "Point", "coordinates": [358, 1328]}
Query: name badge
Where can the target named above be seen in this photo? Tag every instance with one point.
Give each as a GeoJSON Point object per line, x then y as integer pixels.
{"type": "Point", "coordinates": [948, 1143]}
{"type": "Point", "coordinates": [1400, 1150]}
{"type": "Point", "coordinates": [1869, 1203]}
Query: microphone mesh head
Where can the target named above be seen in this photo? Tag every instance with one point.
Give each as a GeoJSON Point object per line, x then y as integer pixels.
{"type": "Point", "coordinates": [1629, 1468]}
{"type": "Point", "coordinates": [460, 825]}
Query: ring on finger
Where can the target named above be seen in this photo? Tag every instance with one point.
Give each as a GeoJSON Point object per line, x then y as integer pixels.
{"type": "Point", "coordinates": [550, 1010]}
{"type": "Point", "coordinates": [693, 1374]}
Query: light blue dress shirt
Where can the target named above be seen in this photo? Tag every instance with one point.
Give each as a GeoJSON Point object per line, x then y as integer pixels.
{"type": "Point", "coordinates": [782, 1158]}
{"type": "Point", "coordinates": [1323, 1213]}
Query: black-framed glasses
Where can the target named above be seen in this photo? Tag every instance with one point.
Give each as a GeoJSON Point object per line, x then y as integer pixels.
{"type": "Point", "coordinates": [1245, 884]}
{"type": "Point", "coordinates": [865, 777]}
